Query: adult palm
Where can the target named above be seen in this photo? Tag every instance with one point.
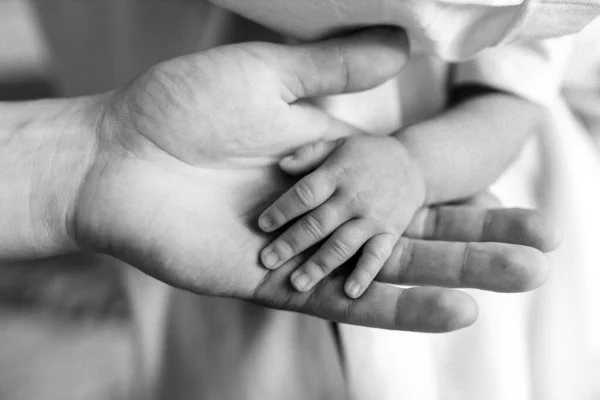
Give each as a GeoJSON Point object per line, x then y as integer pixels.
{"type": "Point", "coordinates": [186, 161]}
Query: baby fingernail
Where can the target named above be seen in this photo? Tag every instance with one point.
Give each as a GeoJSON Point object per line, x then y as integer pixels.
{"type": "Point", "coordinates": [300, 280]}
{"type": "Point", "coordinates": [265, 223]}
{"type": "Point", "coordinates": [270, 259]}
{"type": "Point", "coordinates": [288, 159]}
{"type": "Point", "coordinates": [353, 289]}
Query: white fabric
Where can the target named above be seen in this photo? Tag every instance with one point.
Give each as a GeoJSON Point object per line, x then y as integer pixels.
{"type": "Point", "coordinates": [552, 18]}
{"type": "Point", "coordinates": [527, 347]}
{"type": "Point", "coordinates": [451, 29]}
{"type": "Point", "coordinates": [582, 82]}
{"type": "Point", "coordinates": [584, 64]}
{"type": "Point", "coordinates": [536, 346]}
{"type": "Point", "coordinates": [582, 89]}
{"type": "Point", "coordinates": [529, 69]}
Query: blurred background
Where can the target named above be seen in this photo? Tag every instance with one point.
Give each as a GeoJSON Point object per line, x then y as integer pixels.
{"type": "Point", "coordinates": [23, 59]}
{"type": "Point", "coordinates": [65, 330]}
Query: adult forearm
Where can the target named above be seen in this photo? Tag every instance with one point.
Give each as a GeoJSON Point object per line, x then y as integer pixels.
{"type": "Point", "coordinates": [46, 149]}
{"type": "Point", "coordinates": [463, 151]}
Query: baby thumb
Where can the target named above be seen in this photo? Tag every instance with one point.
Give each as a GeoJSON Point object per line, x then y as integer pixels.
{"type": "Point", "coordinates": [308, 158]}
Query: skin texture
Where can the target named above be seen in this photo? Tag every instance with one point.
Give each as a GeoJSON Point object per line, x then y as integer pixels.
{"type": "Point", "coordinates": [364, 195]}
{"type": "Point", "coordinates": [185, 157]}
{"type": "Point", "coordinates": [364, 191]}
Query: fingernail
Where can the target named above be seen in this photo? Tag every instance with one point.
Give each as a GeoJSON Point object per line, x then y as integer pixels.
{"type": "Point", "coordinates": [265, 223]}
{"type": "Point", "coordinates": [270, 259]}
{"type": "Point", "coordinates": [287, 161]}
{"type": "Point", "coordinates": [353, 289]}
{"type": "Point", "coordinates": [300, 280]}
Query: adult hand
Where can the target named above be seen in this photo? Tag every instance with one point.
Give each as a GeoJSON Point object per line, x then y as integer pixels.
{"type": "Point", "coordinates": [185, 162]}
{"type": "Point", "coordinates": [475, 244]}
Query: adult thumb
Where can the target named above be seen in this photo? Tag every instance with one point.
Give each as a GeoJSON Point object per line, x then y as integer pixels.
{"type": "Point", "coordinates": [344, 64]}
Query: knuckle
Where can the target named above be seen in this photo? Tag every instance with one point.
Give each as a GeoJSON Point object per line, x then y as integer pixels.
{"type": "Point", "coordinates": [313, 226]}
{"type": "Point", "coordinates": [322, 267]}
{"type": "Point", "coordinates": [356, 201]}
{"type": "Point", "coordinates": [367, 274]}
{"type": "Point", "coordinates": [339, 249]}
{"type": "Point", "coordinates": [291, 241]}
{"type": "Point", "coordinates": [406, 256]}
{"type": "Point", "coordinates": [378, 254]}
{"type": "Point", "coordinates": [465, 273]}
{"type": "Point", "coordinates": [304, 194]}
{"type": "Point", "coordinates": [338, 170]}
{"type": "Point", "coordinates": [488, 224]}
{"type": "Point", "coordinates": [343, 67]}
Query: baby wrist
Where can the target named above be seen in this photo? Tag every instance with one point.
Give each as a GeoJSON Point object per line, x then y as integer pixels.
{"type": "Point", "coordinates": [413, 174]}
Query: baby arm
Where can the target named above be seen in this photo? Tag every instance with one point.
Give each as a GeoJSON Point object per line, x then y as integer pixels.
{"type": "Point", "coordinates": [462, 151]}
{"type": "Point", "coordinates": [365, 190]}
{"type": "Point", "coordinates": [452, 156]}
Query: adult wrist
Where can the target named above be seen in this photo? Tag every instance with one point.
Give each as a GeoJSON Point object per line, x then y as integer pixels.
{"type": "Point", "coordinates": [46, 150]}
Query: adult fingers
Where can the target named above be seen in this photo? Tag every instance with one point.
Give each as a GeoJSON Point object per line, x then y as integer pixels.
{"type": "Point", "coordinates": [477, 224]}
{"type": "Point", "coordinates": [498, 267]}
{"type": "Point", "coordinates": [381, 306]}
{"type": "Point", "coordinates": [345, 64]}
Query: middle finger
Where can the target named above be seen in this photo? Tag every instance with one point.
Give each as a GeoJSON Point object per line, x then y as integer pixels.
{"type": "Point", "coordinates": [498, 267]}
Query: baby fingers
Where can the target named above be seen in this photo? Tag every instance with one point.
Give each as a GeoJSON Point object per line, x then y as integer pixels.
{"type": "Point", "coordinates": [338, 249]}
{"type": "Point", "coordinates": [308, 158]}
{"type": "Point", "coordinates": [309, 193]}
{"type": "Point", "coordinates": [307, 232]}
{"type": "Point", "coordinates": [374, 255]}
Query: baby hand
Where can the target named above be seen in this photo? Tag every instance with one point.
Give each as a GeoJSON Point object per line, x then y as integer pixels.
{"type": "Point", "coordinates": [364, 192]}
